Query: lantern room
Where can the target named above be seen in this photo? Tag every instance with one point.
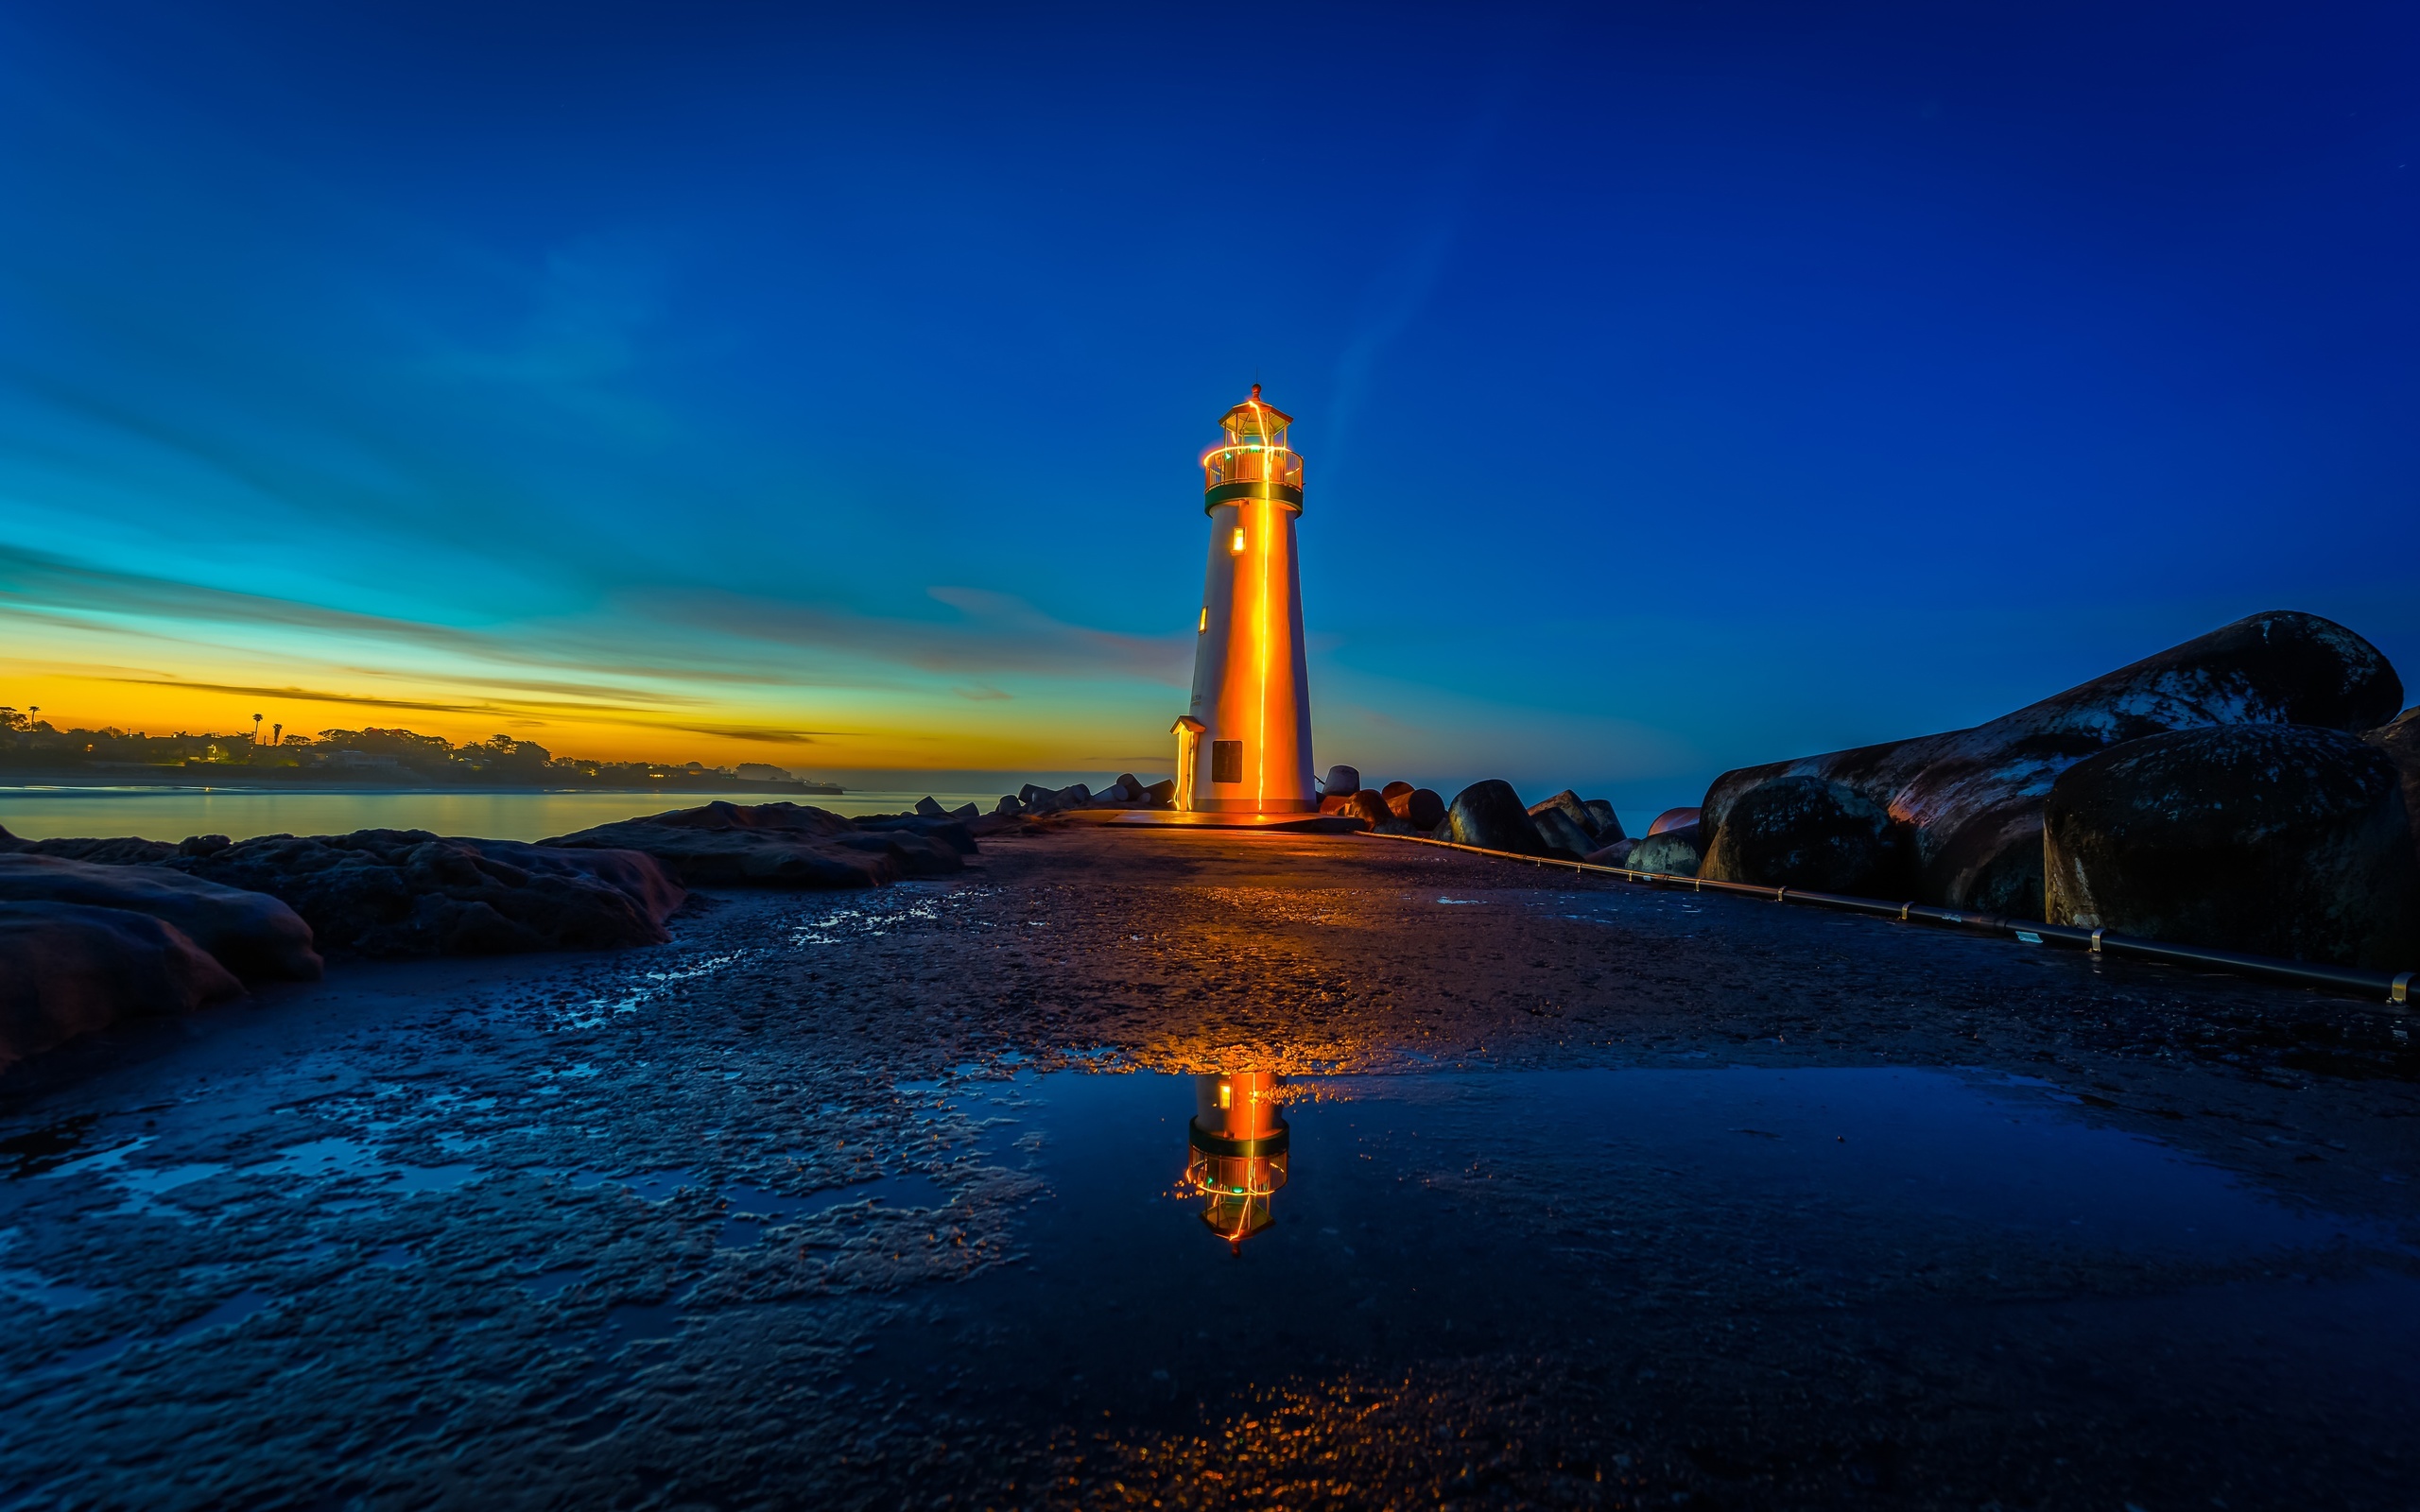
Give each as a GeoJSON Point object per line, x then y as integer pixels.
{"type": "Point", "coordinates": [1235, 1152]}
{"type": "Point", "coordinates": [1253, 461]}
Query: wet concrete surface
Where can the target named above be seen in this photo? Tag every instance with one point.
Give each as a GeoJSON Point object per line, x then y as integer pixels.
{"type": "Point", "coordinates": [1597, 1197]}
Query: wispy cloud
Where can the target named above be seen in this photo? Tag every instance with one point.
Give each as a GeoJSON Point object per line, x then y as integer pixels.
{"type": "Point", "coordinates": [994, 633]}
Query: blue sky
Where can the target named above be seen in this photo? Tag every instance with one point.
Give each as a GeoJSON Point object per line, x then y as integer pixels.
{"type": "Point", "coordinates": [1683, 385]}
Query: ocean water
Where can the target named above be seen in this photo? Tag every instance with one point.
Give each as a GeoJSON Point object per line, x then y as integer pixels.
{"type": "Point", "coordinates": [174, 813]}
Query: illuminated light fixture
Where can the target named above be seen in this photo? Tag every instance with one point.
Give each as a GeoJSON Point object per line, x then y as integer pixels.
{"type": "Point", "coordinates": [1244, 746]}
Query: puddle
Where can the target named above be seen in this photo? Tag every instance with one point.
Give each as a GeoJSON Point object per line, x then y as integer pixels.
{"type": "Point", "coordinates": [37, 1151]}
{"type": "Point", "coordinates": [1387, 1219]}
{"type": "Point", "coordinates": [637, 1323]}
{"type": "Point", "coordinates": [653, 1186]}
{"type": "Point", "coordinates": [340, 1157]}
{"type": "Point", "coordinates": [752, 1210]}
{"type": "Point", "coordinates": [41, 1291]}
{"type": "Point", "coordinates": [547, 1283]}
{"type": "Point", "coordinates": [225, 1314]}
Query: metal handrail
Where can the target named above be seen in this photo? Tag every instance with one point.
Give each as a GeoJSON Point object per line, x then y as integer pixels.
{"type": "Point", "coordinates": [1252, 464]}
{"type": "Point", "coordinates": [2395, 988]}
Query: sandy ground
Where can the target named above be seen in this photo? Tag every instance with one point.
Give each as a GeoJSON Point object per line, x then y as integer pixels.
{"type": "Point", "coordinates": [570, 1231]}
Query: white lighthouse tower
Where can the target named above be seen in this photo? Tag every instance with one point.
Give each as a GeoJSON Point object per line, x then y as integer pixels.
{"type": "Point", "coordinates": [1245, 745]}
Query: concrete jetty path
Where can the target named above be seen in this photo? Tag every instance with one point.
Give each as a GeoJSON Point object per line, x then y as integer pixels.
{"type": "Point", "coordinates": [1598, 1196]}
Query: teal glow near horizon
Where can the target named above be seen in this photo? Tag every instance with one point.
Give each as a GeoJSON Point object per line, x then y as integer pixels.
{"type": "Point", "coordinates": [1681, 389]}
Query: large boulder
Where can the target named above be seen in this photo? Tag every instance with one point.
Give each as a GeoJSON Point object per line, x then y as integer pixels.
{"type": "Point", "coordinates": [1420, 807]}
{"type": "Point", "coordinates": [251, 933]}
{"type": "Point", "coordinates": [69, 968]}
{"type": "Point", "coordinates": [1559, 831]}
{"type": "Point", "coordinates": [1670, 852]}
{"type": "Point", "coordinates": [1579, 826]}
{"type": "Point", "coordinates": [1341, 779]}
{"type": "Point", "coordinates": [1801, 832]}
{"type": "Point", "coordinates": [2279, 840]}
{"type": "Point", "coordinates": [785, 845]}
{"type": "Point", "coordinates": [1370, 806]}
{"type": "Point", "coordinates": [1491, 816]}
{"type": "Point", "coordinates": [1972, 798]}
{"type": "Point", "coordinates": [1049, 800]}
{"type": "Point", "coordinates": [1675, 819]}
{"type": "Point", "coordinates": [2400, 740]}
{"type": "Point", "coordinates": [407, 892]}
{"type": "Point", "coordinates": [1616, 854]}
{"type": "Point", "coordinates": [123, 850]}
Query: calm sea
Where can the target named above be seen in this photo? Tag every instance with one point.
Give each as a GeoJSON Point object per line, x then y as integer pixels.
{"type": "Point", "coordinates": [173, 813]}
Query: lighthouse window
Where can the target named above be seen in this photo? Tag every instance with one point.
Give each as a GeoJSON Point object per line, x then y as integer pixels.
{"type": "Point", "coordinates": [1226, 760]}
{"type": "Point", "coordinates": [1237, 545]}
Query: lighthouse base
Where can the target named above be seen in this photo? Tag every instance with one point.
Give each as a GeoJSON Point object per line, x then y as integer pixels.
{"type": "Point", "coordinates": [1181, 820]}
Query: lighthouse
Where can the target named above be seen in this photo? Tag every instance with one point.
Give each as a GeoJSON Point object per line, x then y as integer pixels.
{"type": "Point", "coordinates": [1244, 746]}
{"type": "Point", "coordinates": [1235, 1152]}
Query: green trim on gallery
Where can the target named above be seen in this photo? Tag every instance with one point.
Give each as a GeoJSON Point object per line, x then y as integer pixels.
{"type": "Point", "coordinates": [1230, 492]}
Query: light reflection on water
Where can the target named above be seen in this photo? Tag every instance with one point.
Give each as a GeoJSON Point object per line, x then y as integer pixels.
{"type": "Point", "coordinates": [1374, 1217]}
{"type": "Point", "coordinates": [172, 814]}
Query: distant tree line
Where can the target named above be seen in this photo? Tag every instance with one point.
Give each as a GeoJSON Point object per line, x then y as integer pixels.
{"type": "Point", "coordinates": [29, 742]}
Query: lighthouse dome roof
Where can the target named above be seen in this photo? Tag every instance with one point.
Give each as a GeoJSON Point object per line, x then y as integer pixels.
{"type": "Point", "coordinates": [1254, 417]}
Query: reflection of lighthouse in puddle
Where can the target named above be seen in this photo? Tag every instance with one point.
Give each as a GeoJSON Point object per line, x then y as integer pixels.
{"type": "Point", "coordinates": [1237, 1158]}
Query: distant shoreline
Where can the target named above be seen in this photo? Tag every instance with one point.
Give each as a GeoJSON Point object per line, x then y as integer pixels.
{"type": "Point", "coordinates": [23, 783]}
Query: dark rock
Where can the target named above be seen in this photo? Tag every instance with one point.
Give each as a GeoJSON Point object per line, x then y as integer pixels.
{"type": "Point", "coordinates": [644, 880]}
{"type": "Point", "coordinates": [1341, 780]}
{"type": "Point", "coordinates": [1010, 804]}
{"type": "Point", "coordinates": [1371, 806]}
{"type": "Point", "coordinates": [1801, 832]}
{"type": "Point", "coordinates": [1606, 824]}
{"type": "Point", "coordinates": [1491, 816]}
{"type": "Point", "coordinates": [1419, 807]}
{"type": "Point", "coordinates": [2400, 740]}
{"type": "Point", "coordinates": [929, 808]}
{"type": "Point", "coordinates": [70, 969]}
{"type": "Point", "coordinates": [1973, 798]}
{"type": "Point", "coordinates": [1335, 803]}
{"type": "Point", "coordinates": [1394, 790]}
{"type": "Point", "coordinates": [1617, 854]}
{"type": "Point", "coordinates": [1132, 783]}
{"type": "Point", "coordinates": [1672, 852]}
{"type": "Point", "coordinates": [965, 812]}
{"type": "Point", "coordinates": [1674, 819]}
{"type": "Point", "coordinates": [2274, 839]}
{"type": "Point", "coordinates": [1569, 803]}
{"type": "Point", "coordinates": [1046, 801]}
{"type": "Point", "coordinates": [1559, 831]}
{"type": "Point", "coordinates": [123, 852]}
{"type": "Point", "coordinates": [407, 892]}
{"type": "Point", "coordinates": [952, 831]}
{"type": "Point", "coordinates": [1161, 793]}
{"type": "Point", "coordinates": [763, 845]}
{"type": "Point", "coordinates": [249, 933]}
